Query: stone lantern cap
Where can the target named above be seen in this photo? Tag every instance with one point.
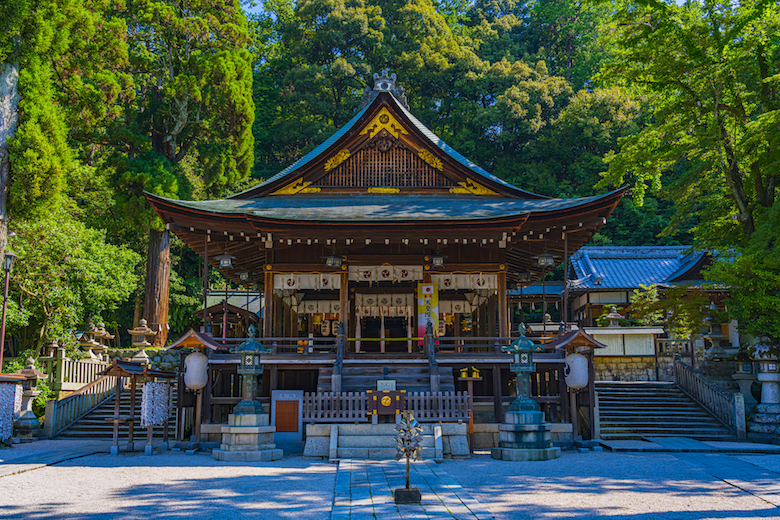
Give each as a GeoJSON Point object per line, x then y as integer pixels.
{"type": "Point", "coordinates": [142, 331]}
{"type": "Point", "coordinates": [764, 351]}
{"type": "Point", "coordinates": [614, 318]}
{"type": "Point", "coordinates": [102, 333]}
{"type": "Point", "coordinates": [30, 372]}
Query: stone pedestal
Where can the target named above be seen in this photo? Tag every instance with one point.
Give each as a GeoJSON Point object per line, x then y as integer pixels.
{"type": "Point", "coordinates": [745, 382]}
{"type": "Point", "coordinates": [525, 436]}
{"type": "Point", "coordinates": [247, 438]}
{"type": "Point", "coordinates": [766, 420]}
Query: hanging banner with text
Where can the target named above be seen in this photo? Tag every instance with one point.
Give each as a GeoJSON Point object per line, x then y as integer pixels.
{"type": "Point", "coordinates": [427, 309]}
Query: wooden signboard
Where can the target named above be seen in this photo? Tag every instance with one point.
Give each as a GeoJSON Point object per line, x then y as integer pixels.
{"type": "Point", "coordinates": [386, 402]}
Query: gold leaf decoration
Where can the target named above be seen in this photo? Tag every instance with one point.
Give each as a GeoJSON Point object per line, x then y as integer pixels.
{"type": "Point", "coordinates": [297, 186]}
{"type": "Point", "coordinates": [383, 190]}
{"type": "Point", "coordinates": [431, 159]}
{"type": "Point", "coordinates": [337, 159]}
{"type": "Point", "coordinates": [472, 188]}
{"type": "Point", "coordinates": [384, 120]}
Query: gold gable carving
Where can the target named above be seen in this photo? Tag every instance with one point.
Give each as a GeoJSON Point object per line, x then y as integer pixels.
{"type": "Point", "coordinates": [431, 159]}
{"type": "Point", "coordinates": [297, 186]}
{"type": "Point", "coordinates": [383, 190]}
{"type": "Point", "coordinates": [337, 159]}
{"type": "Point", "coordinates": [384, 120]}
{"type": "Point", "coordinates": [472, 188]}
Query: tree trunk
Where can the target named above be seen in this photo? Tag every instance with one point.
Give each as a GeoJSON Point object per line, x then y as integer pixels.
{"type": "Point", "coordinates": [9, 117]}
{"type": "Point", "coordinates": [158, 277]}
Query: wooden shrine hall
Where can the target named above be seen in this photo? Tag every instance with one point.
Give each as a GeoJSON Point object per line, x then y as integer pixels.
{"type": "Point", "coordinates": [386, 229]}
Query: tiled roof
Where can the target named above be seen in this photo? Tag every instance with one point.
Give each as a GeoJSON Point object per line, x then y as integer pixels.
{"type": "Point", "coordinates": [624, 268]}
{"type": "Point", "coordinates": [380, 207]}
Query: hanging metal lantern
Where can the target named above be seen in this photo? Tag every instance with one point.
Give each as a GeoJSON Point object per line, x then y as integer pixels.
{"type": "Point", "coordinates": [225, 260]}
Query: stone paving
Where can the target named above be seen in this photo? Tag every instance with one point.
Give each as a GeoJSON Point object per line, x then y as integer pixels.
{"type": "Point", "coordinates": [364, 490]}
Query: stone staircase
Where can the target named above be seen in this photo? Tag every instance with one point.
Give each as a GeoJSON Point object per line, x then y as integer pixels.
{"type": "Point", "coordinates": [95, 427]}
{"type": "Point", "coordinates": [634, 410]}
{"type": "Point", "coordinates": [377, 441]}
{"type": "Point", "coordinates": [412, 378]}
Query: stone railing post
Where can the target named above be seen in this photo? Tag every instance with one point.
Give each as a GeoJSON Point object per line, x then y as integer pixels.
{"type": "Point", "coordinates": [335, 378]}
{"type": "Point", "coordinates": [50, 420]}
{"type": "Point", "coordinates": [433, 365]}
{"type": "Point", "coordinates": [57, 377]}
{"type": "Point", "coordinates": [739, 416]}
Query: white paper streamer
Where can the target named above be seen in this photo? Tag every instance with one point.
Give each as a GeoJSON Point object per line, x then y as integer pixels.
{"type": "Point", "coordinates": [7, 405]}
{"type": "Point", "coordinates": [155, 403]}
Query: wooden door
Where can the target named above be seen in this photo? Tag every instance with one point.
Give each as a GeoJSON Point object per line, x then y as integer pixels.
{"type": "Point", "coordinates": [286, 416]}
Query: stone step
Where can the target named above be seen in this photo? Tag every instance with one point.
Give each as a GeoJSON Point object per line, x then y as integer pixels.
{"type": "Point", "coordinates": [378, 441]}
{"type": "Point", "coordinates": [379, 453]}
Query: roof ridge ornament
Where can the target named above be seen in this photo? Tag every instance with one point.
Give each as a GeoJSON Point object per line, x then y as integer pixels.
{"type": "Point", "coordinates": [384, 82]}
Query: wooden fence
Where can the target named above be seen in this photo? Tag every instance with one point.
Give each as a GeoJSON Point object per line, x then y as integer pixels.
{"type": "Point", "coordinates": [67, 375]}
{"type": "Point", "coordinates": [328, 407]}
{"type": "Point", "coordinates": [61, 413]}
{"type": "Point", "coordinates": [729, 409]}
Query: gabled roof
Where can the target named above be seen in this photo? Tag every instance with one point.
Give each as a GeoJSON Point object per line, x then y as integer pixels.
{"type": "Point", "coordinates": [194, 339]}
{"type": "Point", "coordinates": [625, 268]}
{"type": "Point", "coordinates": [385, 102]}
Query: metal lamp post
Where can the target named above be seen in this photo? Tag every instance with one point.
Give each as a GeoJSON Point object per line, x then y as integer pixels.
{"type": "Point", "coordinates": [8, 264]}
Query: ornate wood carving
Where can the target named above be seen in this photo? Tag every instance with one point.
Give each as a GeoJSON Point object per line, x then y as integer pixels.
{"type": "Point", "coordinates": [431, 159]}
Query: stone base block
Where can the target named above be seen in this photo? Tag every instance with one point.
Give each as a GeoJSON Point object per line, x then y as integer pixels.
{"type": "Point", "coordinates": [545, 427]}
{"type": "Point", "coordinates": [114, 450]}
{"type": "Point", "coordinates": [524, 417]}
{"type": "Point", "coordinates": [247, 456]}
{"type": "Point", "coordinates": [247, 447]}
{"type": "Point", "coordinates": [768, 408]}
{"type": "Point", "coordinates": [317, 447]}
{"type": "Point", "coordinates": [249, 420]}
{"type": "Point", "coordinates": [407, 496]}
{"type": "Point", "coordinates": [517, 455]}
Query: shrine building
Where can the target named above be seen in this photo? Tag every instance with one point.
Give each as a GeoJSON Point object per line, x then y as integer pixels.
{"type": "Point", "coordinates": [388, 231]}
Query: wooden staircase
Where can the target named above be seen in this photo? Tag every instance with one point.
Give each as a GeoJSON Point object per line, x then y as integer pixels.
{"type": "Point", "coordinates": [412, 378]}
{"type": "Point", "coordinates": [634, 410]}
{"type": "Point", "coordinates": [95, 426]}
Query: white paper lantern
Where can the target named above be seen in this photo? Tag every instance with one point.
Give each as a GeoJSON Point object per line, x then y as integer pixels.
{"type": "Point", "coordinates": [196, 370]}
{"type": "Point", "coordinates": [576, 371]}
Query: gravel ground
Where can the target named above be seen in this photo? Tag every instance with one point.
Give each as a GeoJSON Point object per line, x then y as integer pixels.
{"type": "Point", "coordinates": [170, 485]}
{"type": "Point", "coordinates": [609, 485]}
{"type": "Point", "coordinates": [31, 448]}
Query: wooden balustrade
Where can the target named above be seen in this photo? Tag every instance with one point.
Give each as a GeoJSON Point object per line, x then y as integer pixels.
{"type": "Point", "coordinates": [729, 409]}
{"type": "Point", "coordinates": [66, 375]}
{"type": "Point", "coordinates": [328, 407]}
{"type": "Point", "coordinates": [61, 413]}
{"type": "Point", "coordinates": [289, 345]}
{"type": "Point", "coordinates": [669, 347]}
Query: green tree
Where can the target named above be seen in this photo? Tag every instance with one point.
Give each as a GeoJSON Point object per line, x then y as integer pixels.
{"type": "Point", "coordinates": [189, 126]}
{"type": "Point", "coordinates": [710, 70]}
{"type": "Point", "coordinates": [65, 274]}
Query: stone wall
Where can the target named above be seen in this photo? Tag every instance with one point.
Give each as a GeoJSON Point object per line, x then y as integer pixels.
{"type": "Point", "coordinates": [634, 368]}
{"type": "Point", "coordinates": [161, 359]}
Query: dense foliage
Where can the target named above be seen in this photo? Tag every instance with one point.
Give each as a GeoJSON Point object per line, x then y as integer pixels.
{"type": "Point", "coordinates": [196, 99]}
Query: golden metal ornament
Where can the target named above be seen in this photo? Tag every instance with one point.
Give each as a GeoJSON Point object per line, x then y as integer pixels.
{"type": "Point", "coordinates": [337, 159]}
{"type": "Point", "coordinates": [472, 188]}
{"type": "Point", "coordinates": [297, 186]}
{"type": "Point", "coordinates": [431, 159]}
{"type": "Point", "coordinates": [383, 190]}
{"type": "Point", "coordinates": [384, 120]}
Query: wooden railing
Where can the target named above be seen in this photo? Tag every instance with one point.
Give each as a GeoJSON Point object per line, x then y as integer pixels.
{"type": "Point", "coordinates": [289, 345]}
{"type": "Point", "coordinates": [438, 406]}
{"type": "Point", "coordinates": [328, 407]}
{"type": "Point", "coordinates": [669, 347]}
{"type": "Point", "coordinates": [334, 407]}
{"type": "Point", "coordinates": [729, 409]}
{"type": "Point", "coordinates": [68, 375]}
{"type": "Point", "coordinates": [61, 413]}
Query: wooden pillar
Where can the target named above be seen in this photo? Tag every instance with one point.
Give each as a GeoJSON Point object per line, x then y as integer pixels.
{"type": "Point", "coordinates": [344, 303]}
{"type": "Point", "coordinates": [268, 303]}
{"type": "Point", "coordinates": [131, 421]}
{"type": "Point", "coordinates": [498, 408]}
{"type": "Point", "coordinates": [492, 317]}
{"type": "Point", "coordinates": [207, 390]}
{"type": "Point", "coordinates": [206, 239]}
{"type": "Point", "coordinates": [592, 391]}
{"type": "Point", "coordinates": [382, 333]}
{"type": "Point", "coordinates": [273, 378]}
{"type": "Point", "coordinates": [503, 309]}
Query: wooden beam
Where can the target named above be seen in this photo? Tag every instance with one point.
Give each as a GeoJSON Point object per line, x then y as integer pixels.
{"type": "Point", "coordinates": [268, 292]}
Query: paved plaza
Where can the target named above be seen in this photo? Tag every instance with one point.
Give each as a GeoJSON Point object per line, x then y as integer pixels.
{"type": "Point", "coordinates": [637, 486]}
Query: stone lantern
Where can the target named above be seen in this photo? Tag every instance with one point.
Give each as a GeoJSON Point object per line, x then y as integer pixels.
{"type": "Point", "coordinates": [249, 367]}
{"type": "Point", "coordinates": [140, 335]}
{"type": "Point", "coordinates": [524, 435]}
{"type": "Point", "coordinates": [767, 417]}
{"type": "Point", "coordinates": [769, 373]}
{"type": "Point", "coordinates": [87, 342]}
{"type": "Point", "coordinates": [28, 424]}
{"type": "Point", "coordinates": [614, 318]}
{"type": "Point", "coordinates": [248, 436]}
{"type": "Point", "coordinates": [102, 335]}
{"type": "Point", "coordinates": [744, 375]}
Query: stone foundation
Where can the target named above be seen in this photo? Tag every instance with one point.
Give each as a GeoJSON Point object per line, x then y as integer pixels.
{"type": "Point", "coordinates": [524, 436]}
{"type": "Point", "coordinates": [487, 435]}
{"type": "Point", "coordinates": [634, 368]}
{"type": "Point", "coordinates": [247, 438]}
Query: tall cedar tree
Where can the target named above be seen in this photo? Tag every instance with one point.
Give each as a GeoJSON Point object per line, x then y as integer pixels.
{"type": "Point", "coordinates": [192, 70]}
